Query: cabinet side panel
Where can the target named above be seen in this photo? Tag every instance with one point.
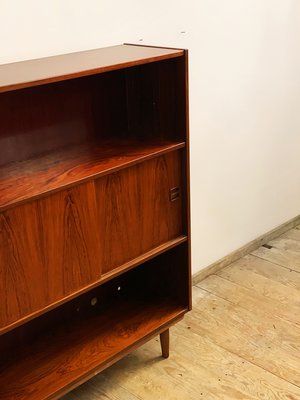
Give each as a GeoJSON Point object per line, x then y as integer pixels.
{"type": "Point", "coordinates": [136, 213]}
{"type": "Point", "coordinates": [48, 249]}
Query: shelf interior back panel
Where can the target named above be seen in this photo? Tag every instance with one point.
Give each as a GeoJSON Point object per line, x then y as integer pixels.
{"type": "Point", "coordinates": [55, 362]}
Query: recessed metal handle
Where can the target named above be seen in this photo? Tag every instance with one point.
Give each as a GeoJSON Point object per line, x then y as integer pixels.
{"type": "Point", "coordinates": [175, 193]}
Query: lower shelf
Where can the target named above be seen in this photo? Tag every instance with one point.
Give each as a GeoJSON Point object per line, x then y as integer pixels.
{"type": "Point", "coordinates": [50, 355]}
{"type": "Point", "coordinates": [53, 365]}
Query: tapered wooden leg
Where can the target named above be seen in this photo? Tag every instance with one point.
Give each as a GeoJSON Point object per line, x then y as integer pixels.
{"type": "Point", "coordinates": [165, 343]}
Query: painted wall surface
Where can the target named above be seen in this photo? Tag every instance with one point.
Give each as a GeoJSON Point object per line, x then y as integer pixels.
{"type": "Point", "coordinates": [244, 96]}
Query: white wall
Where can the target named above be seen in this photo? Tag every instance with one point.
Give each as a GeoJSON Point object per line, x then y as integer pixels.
{"type": "Point", "coordinates": [244, 96]}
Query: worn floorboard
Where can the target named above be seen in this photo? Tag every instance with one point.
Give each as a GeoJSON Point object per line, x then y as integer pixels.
{"type": "Point", "coordinates": [240, 342]}
{"type": "Point", "coordinates": [292, 234]}
{"type": "Point", "coordinates": [285, 258]}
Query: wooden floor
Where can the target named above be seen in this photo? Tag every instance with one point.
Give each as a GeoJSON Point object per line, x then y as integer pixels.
{"type": "Point", "coordinates": [241, 341]}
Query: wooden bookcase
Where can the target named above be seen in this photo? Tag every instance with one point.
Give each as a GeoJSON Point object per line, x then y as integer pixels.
{"type": "Point", "coordinates": [94, 213]}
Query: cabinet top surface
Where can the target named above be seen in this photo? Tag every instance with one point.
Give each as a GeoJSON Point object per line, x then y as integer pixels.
{"type": "Point", "coordinates": [40, 71]}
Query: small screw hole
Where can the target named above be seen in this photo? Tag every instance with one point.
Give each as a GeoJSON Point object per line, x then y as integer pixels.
{"type": "Point", "coordinates": [94, 301]}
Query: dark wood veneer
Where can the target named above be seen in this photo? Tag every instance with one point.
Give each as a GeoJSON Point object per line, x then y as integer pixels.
{"type": "Point", "coordinates": [41, 175]}
{"type": "Point", "coordinates": [81, 338]}
{"type": "Point", "coordinates": [94, 213]}
{"type": "Point", "coordinates": [67, 66]}
{"type": "Point", "coordinates": [56, 364]}
{"type": "Point", "coordinates": [135, 210]}
{"type": "Point", "coordinates": [48, 249]}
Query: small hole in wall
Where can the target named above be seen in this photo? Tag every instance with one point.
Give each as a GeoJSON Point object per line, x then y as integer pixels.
{"type": "Point", "coordinates": [119, 288]}
{"type": "Point", "coordinates": [94, 301]}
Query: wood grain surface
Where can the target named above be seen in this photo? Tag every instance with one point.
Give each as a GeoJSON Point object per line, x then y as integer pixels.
{"type": "Point", "coordinates": [94, 213]}
{"type": "Point", "coordinates": [71, 165]}
{"type": "Point", "coordinates": [49, 248]}
{"type": "Point", "coordinates": [165, 343]}
{"type": "Point", "coordinates": [135, 213]}
{"type": "Point", "coordinates": [57, 68]}
{"type": "Point", "coordinates": [292, 234]}
{"type": "Point", "coordinates": [76, 353]}
{"type": "Point", "coordinates": [267, 269]}
{"type": "Point", "coordinates": [288, 259]}
{"type": "Point", "coordinates": [76, 236]}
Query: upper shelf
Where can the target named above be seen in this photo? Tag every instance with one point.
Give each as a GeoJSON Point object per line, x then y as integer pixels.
{"type": "Point", "coordinates": [59, 68]}
{"type": "Point", "coordinates": [20, 181]}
